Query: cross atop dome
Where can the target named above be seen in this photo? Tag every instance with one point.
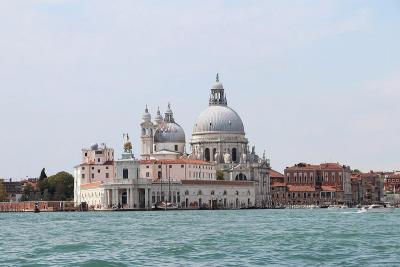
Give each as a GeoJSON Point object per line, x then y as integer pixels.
{"type": "Point", "coordinates": [217, 78]}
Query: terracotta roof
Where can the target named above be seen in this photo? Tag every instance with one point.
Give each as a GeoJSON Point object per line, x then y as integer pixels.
{"type": "Point", "coordinates": [94, 163]}
{"type": "Point", "coordinates": [301, 188]}
{"type": "Point", "coordinates": [328, 188]}
{"type": "Point", "coordinates": [91, 185]}
{"type": "Point", "coordinates": [278, 184]}
{"type": "Point", "coordinates": [217, 182]}
{"type": "Point", "coordinates": [174, 161]}
{"type": "Point", "coordinates": [275, 174]}
{"type": "Point", "coordinates": [322, 166]}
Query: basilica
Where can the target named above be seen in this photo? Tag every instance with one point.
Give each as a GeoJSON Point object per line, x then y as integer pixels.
{"type": "Point", "coordinates": [221, 171]}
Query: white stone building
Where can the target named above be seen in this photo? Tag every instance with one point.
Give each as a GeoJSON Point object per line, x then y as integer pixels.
{"type": "Point", "coordinates": [221, 171]}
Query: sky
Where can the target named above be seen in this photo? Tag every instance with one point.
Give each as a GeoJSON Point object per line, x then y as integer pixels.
{"type": "Point", "coordinates": [313, 81]}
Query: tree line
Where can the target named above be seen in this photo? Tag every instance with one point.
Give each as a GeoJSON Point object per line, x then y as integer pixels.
{"type": "Point", "coordinates": [58, 187]}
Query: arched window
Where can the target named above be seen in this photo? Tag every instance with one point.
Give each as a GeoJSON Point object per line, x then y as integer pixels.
{"type": "Point", "coordinates": [213, 154]}
{"type": "Point", "coordinates": [234, 156]}
{"type": "Point", "coordinates": [207, 154]}
{"type": "Point", "coordinates": [240, 177]}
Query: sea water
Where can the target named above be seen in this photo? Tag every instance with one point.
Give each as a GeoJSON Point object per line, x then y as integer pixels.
{"type": "Point", "coordinates": [317, 237]}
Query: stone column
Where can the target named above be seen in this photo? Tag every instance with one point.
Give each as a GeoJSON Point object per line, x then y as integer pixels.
{"type": "Point", "coordinates": [146, 197]}
{"type": "Point", "coordinates": [115, 196]}
{"type": "Point", "coordinates": [105, 198]}
{"type": "Point", "coordinates": [131, 197]}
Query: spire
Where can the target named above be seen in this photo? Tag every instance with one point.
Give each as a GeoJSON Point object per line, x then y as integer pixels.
{"type": "Point", "coordinates": [217, 78]}
{"type": "Point", "coordinates": [146, 116]}
{"type": "Point", "coordinates": [159, 119]}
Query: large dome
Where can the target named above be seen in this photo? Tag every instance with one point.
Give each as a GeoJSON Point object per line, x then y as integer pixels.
{"type": "Point", "coordinates": [218, 118]}
{"type": "Point", "coordinates": [169, 132]}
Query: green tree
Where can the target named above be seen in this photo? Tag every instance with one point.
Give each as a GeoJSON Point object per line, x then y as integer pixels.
{"type": "Point", "coordinates": [220, 175]}
{"type": "Point", "coordinates": [43, 175]}
{"type": "Point", "coordinates": [28, 193]}
{"type": "Point", "coordinates": [3, 193]}
{"type": "Point", "coordinates": [61, 186]}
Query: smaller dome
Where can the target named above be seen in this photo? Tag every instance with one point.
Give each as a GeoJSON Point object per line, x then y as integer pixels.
{"type": "Point", "coordinates": [159, 118]}
{"type": "Point", "coordinates": [217, 85]}
{"type": "Point", "coordinates": [146, 115]}
{"type": "Point", "coordinates": [94, 146]}
{"type": "Point", "coordinates": [169, 133]}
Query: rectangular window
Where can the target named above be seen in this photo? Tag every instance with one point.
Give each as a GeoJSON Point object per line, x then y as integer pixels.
{"type": "Point", "coordinates": [147, 174]}
{"type": "Point", "coordinates": [83, 168]}
{"type": "Point", "coordinates": [125, 173]}
{"type": "Point", "coordinates": [98, 159]}
{"type": "Point", "coordinates": [83, 176]}
{"type": "Point", "coordinates": [107, 175]}
{"type": "Point", "coordinates": [182, 166]}
{"type": "Point", "coordinates": [92, 175]}
{"type": "Point", "coordinates": [170, 166]}
{"type": "Point", "coordinates": [176, 147]}
{"type": "Point", "coordinates": [159, 175]}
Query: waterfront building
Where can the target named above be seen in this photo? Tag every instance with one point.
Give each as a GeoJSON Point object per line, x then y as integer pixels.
{"type": "Point", "coordinates": [219, 138]}
{"type": "Point", "coordinates": [392, 187]}
{"type": "Point", "coordinates": [368, 188]}
{"type": "Point", "coordinates": [166, 172]}
{"type": "Point", "coordinates": [307, 184]}
{"type": "Point", "coordinates": [13, 190]}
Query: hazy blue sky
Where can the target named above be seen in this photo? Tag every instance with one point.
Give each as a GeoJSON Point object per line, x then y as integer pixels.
{"type": "Point", "coordinates": [313, 81]}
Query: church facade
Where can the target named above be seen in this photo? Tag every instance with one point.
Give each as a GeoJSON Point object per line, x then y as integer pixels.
{"type": "Point", "coordinates": [221, 171]}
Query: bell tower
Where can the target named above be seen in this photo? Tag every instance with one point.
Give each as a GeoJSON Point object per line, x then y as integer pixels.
{"type": "Point", "coordinates": [146, 135]}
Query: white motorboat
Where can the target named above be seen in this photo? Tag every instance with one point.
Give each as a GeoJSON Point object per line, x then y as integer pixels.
{"type": "Point", "coordinates": [337, 207]}
{"type": "Point", "coordinates": [376, 208]}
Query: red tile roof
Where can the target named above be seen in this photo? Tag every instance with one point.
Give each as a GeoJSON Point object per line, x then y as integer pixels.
{"type": "Point", "coordinates": [174, 161]}
{"type": "Point", "coordinates": [322, 166]}
{"type": "Point", "coordinates": [91, 185]}
{"type": "Point", "coordinates": [217, 182]}
{"type": "Point", "coordinates": [275, 174]}
{"type": "Point", "coordinates": [301, 188]}
{"type": "Point", "coordinates": [328, 188]}
{"type": "Point", "coordinates": [277, 184]}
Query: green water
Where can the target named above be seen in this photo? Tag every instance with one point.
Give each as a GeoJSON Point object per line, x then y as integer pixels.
{"type": "Point", "coordinates": [201, 238]}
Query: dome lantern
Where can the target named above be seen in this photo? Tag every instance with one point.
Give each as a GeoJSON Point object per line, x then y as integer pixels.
{"type": "Point", "coordinates": [217, 93]}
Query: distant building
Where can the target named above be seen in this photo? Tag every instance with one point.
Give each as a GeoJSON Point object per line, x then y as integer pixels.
{"type": "Point", "coordinates": [392, 187]}
{"type": "Point", "coordinates": [367, 188]}
{"type": "Point", "coordinates": [13, 190]}
{"type": "Point", "coordinates": [306, 184]}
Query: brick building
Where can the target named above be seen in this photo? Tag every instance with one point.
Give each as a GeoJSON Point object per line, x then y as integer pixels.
{"type": "Point", "coordinates": [307, 184]}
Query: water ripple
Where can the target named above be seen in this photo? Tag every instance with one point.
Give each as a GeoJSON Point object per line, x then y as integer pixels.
{"type": "Point", "coordinates": [200, 238]}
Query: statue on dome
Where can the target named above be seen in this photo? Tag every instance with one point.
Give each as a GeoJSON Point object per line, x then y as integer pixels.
{"type": "Point", "coordinates": [127, 144]}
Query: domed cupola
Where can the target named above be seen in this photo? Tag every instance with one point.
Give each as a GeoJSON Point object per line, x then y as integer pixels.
{"type": "Point", "coordinates": [218, 134]}
{"type": "Point", "coordinates": [159, 118]}
{"type": "Point", "coordinates": [169, 135]}
{"type": "Point", "coordinates": [146, 115]}
{"type": "Point", "coordinates": [218, 117]}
